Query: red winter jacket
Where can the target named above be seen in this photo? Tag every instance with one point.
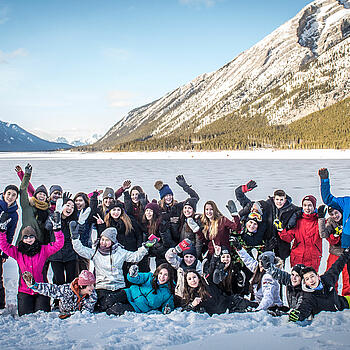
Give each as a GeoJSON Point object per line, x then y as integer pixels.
{"type": "Point", "coordinates": [307, 245]}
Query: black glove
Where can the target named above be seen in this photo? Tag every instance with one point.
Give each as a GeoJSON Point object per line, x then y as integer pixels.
{"type": "Point", "coordinates": [56, 221]}
{"type": "Point", "coordinates": [143, 199]}
{"type": "Point", "coordinates": [249, 186]}
{"type": "Point", "coordinates": [323, 173]}
{"type": "Point", "coordinates": [294, 315]}
{"type": "Point", "coordinates": [66, 196]}
{"type": "Point", "coordinates": [180, 180]}
{"type": "Point", "coordinates": [231, 206]}
{"type": "Point", "coordinates": [74, 229]}
{"type": "Point", "coordinates": [28, 169]}
{"type": "Point", "coordinates": [321, 211]}
{"type": "Point", "coordinates": [235, 242]}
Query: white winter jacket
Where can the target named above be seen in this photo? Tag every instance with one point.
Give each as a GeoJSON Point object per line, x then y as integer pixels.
{"type": "Point", "coordinates": [269, 292]}
{"type": "Point", "coordinates": [109, 268]}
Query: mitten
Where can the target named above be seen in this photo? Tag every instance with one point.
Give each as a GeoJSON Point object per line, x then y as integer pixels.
{"type": "Point", "coordinates": [133, 270]}
{"type": "Point", "coordinates": [74, 229]}
{"type": "Point", "coordinates": [143, 199]}
{"type": "Point", "coordinates": [56, 221]}
{"type": "Point", "coordinates": [321, 211]}
{"type": "Point", "coordinates": [59, 205]}
{"type": "Point", "coordinates": [84, 214]}
{"type": "Point", "coordinates": [231, 206]}
{"type": "Point", "coordinates": [192, 225]}
{"type": "Point", "coordinates": [183, 245]}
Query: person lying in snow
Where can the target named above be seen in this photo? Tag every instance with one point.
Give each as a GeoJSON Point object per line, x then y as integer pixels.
{"type": "Point", "coordinates": [320, 292]}
{"type": "Point", "coordinates": [79, 295]}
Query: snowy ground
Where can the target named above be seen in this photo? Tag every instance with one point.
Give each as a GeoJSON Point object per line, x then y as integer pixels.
{"type": "Point", "coordinates": [177, 330]}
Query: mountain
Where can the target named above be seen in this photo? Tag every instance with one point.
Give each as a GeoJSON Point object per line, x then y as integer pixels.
{"type": "Point", "coordinates": [15, 139]}
{"type": "Point", "coordinates": [80, 142]}
{"type": "Point", "coordinates": [300, 68]}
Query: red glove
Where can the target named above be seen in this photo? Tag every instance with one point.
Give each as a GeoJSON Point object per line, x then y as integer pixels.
{"type": "Point", "coordinates": [249, 186]}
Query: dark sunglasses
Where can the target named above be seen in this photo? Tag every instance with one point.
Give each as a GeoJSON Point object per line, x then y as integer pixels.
{"type": "Point", "coordinates": [30, 236]}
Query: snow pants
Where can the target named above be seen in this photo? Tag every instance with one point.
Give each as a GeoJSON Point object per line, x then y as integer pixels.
{"type": "Point", "coordinates": [28, 304]}
{"type": "Point", "coordinates": [121, 305]}
{"type": "Point", "coordinates": [345, 274]}
{"type": "Point", "coordinates": [107, 298]}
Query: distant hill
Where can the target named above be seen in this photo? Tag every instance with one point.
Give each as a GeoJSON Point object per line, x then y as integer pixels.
{"type": "Point", "coordinates": [15, 139]}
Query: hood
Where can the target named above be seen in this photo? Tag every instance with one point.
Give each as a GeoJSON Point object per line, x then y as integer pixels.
{"type": "Point", "coordinates": [4, 207]}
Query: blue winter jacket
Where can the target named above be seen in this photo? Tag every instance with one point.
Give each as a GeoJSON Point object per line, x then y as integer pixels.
{"type": "Point", "coordinates": [339, 203]}
{"type": "Point", "coordinates": [140, 294]}
{"type": "Point", "coordinates": [13, 214]}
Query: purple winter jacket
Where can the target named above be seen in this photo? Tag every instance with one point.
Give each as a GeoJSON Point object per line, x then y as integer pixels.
{"type": "Point", "coordinates": [33, 264]}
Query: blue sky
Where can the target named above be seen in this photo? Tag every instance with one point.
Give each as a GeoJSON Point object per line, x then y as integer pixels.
{"type": "Point", "coordinates": [72, 68]}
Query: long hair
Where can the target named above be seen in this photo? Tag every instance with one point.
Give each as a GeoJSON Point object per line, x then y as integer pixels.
{"type": "Point", "coordinates": [170, 282]}
{"type": "Point", "coordinates": [191, 293]}
{"type": "Point", "coordinates": [210, 228]}
{"type": "Point", "coordinates": [165, 207]}
{"type": "Point", "coordinates": [123, 217]}
{"type": "Point", "coordinates": [153, 224]}
{"type": "Point", "coordinates": [85, 198]}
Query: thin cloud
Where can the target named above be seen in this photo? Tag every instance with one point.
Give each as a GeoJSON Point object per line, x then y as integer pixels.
{"type": "Point", "coordinates": [5, 57]}
{"type": "Point", "coordinates": [198, 3]}
{"type": "Point", "coordinates": [119, 98]}
{"type": "Point", "coordinates": [4, 11]}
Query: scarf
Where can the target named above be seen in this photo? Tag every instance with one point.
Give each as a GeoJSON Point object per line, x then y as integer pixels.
{"type": "Point", "coordinates": [29, 249]}
{"type": "Point", "coordinates": [38, 204]}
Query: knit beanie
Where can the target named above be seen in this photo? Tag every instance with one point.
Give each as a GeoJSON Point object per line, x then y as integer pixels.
{"type": "Point", "coordinates": [86, 278]}
{"type": "Point", "coordinates": [28, 231]}
{"type": "Point", "coordinates": [191, 250]}
{"type": "Point", "coordinates": [108, 193]}
{"type": "Point", "coordinates": [163, 189]}
{"type": "Point", "coordinates": [257, 206]}
{"type": "Point", "coordinates": [11, 187]}
{"type": "Point", "coordinates": [297, 268]}
{"type": "Point", "coordinates": [110, 233]}
{"type": "Point", "coordinates": [41, 188]}
{"type": "Point", "coordinates": [116, 205]}
{"type": "Point", "coordinates": [192, 203]}
{"type": "Point", "coordinates": [310, 198]}
{"type": "Point", "coordinates": [269, 256]}
{"type": "Point", "coordinates": [54, 188]}
{"type": "Point", "coordinates": [153, 206]}
{"type": "Point", "coordinates": [224, 250]}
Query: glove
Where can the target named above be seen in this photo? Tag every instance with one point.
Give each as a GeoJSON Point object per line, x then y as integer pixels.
{"type": "Point", "coordinates": [235, 242]}
{"type": "Point", "coordinates": [278, 224]}
{"type": "Point", "coordinates": [323, 173]}
{"type": "Point", "coordinates": [180, 180]}
{"type": "Point", "coordinates": [4, 220]}
{"type": "Point", "coordinates": [126, 184]}
{"type": "Point", "coordinates": [56, 221]}
{"type": "Point", "coordinates": [183, 246]}
{"type": "Point", "coordinates": [28, 169]}
{"type": "Point", "coordinates": [84, 214]}
{"type": "Point", "coordinates": [152, 240]}
{"type": "Point", "coordinates": [28, 279]}
{"type": "Point", "coordinates": [74, 229]}
{"type": "Point", "coordinates": [133, 271]}
{"type": "Point", "coordinates": [270, 244]}
{"type": "Point", "coordinates": [294, 315]}
{"type": "Point", "coordinates": [321, 211]}
{"type": "Point", "coordinates": [249, 186]}
{"type": "Point", "coordinates": [192, 225]}
{"type": "Point", "coordinates": [94, 195]}
{"type": "Point", "coordinates": [265, 262]}
{"type": "Point", "coordinates": [166, 309]}
{"type": "Point", "coordinates": [143, 199]}
{"type": "Point", "coordinates": [231, 206]}
{"type": "Point", "coordinates": [66, 196]}
{"type": "Point", "coordinates": [338, 231]}
{"type": "Point", "coordinates": [59, 205]}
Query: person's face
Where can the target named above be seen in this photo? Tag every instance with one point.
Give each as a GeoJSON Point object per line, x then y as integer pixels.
{"type": "Point", "coordinates": [226, 259]}
{"type": "Point", "coordinates": [189, 259]}
{"type": "Point", "coordinates": [311, 279]}
{"type": "Point", "coordinates": [192, 280]}
{"type": "Point", "coordinates": [308, 207]}
{"type": "Point", "coordinates": [209, 212]}
{"type": "Point", "coordinates": [68, 209]}
{"type": "Point", "coordinates": [135, 196]}
{"type": "Point", "coordinates": [168, 199]}
{"type": "Point", "coordinates": [105, 242]}
{"type": "Point", "coordinates": [116, 212]}
{"type": "Point", "coordinates": [163, 276]}
{"type": "Point", "coordinates": [149, 214]}
{"type": "Point", "coordinates": [251, 226]}
{"type": "Point", "coordinates": [87, 290]}
{"type": "Point", "coordinates": [80, 203]}
{"type": "Point", "coordinates": [28, 239]}
{"type": "Point", "coordinates": [295, 279]}
{"type": "Point", "coordinates": [336, 215]}
{"type": "Point", "coordinates": [107, 201]}
{"type": "Point", "coordinates": [41, 196]}
{"type": "Point", "coordinates": [279, 201]}
{"type": "Point", "coordinates": [188, 211]}
{"type": "Point", "coordinates": [10, 197]}
{"type": "Point", "coordinates": [55, 195]}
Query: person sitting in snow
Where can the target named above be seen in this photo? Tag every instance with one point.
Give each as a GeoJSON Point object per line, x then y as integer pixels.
{"type": "Point", "coordinates": [320, 292]}
{"type": "Point", "coordinates": [79, 295]}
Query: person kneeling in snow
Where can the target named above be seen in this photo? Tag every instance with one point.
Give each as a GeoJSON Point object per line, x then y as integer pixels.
{"type": "Point", "coordinates": [79, 295]}
{"type": "Point", "coordinates": [320, 292]}
{"type": "Point", "coordinates": [150, 291]}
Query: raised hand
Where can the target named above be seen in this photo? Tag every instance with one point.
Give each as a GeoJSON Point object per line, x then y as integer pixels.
{"type": "Point", "coordinates": [126, 184]}
{"type": "Point", "coordinates": [231, 206]}
{"type": "Point", "coordinates": [323, 173]}
{"type": "Point", "coordinates": [249, 186]}
{"type": "Point", "coordinates": [180, 180]}
{"type": "Point", "coordinates": [28, 169]}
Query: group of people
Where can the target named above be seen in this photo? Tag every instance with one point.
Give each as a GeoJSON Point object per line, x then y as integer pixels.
{"type": "Point", "coordinates": [203, 262]}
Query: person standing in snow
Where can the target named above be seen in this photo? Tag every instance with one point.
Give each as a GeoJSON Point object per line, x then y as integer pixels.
{"type": "Point", "coordinates": [31, 256]}
{"type": "Point", "coordinates": [79, 295]}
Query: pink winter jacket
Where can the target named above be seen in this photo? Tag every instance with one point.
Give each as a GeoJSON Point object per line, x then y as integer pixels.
{"type": "Point", "coordinates": [33, 264]}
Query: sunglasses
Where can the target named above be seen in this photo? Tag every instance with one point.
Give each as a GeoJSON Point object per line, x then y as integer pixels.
{"type": "Point", "coordinates": [254, 215]}
{"type": "Point", "coordinates": [30, 236]}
